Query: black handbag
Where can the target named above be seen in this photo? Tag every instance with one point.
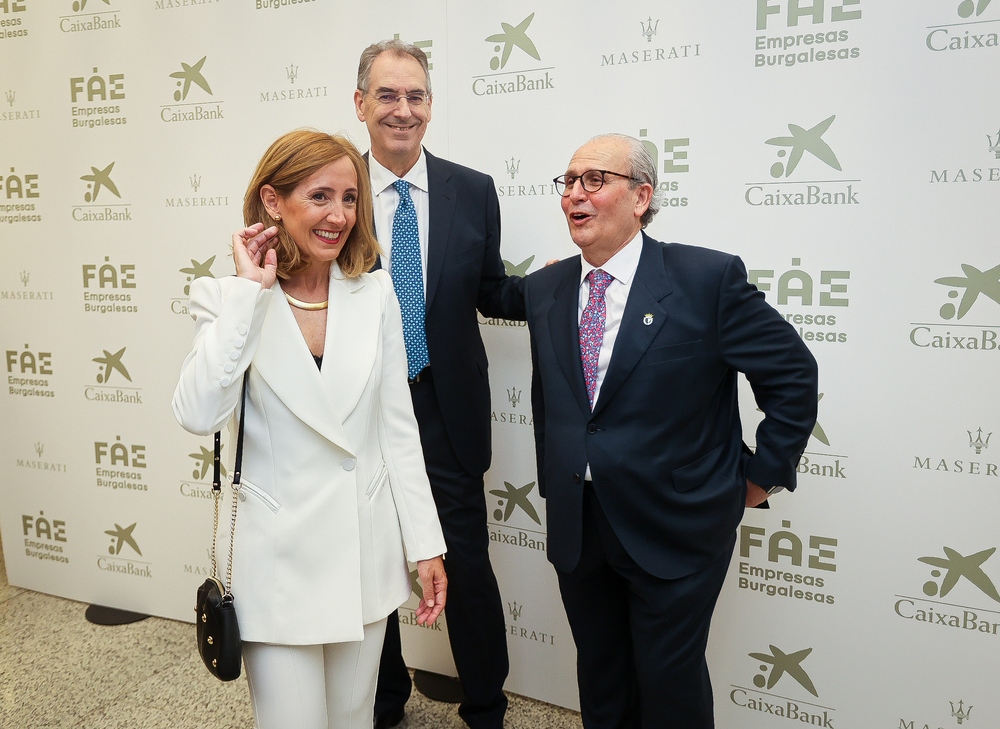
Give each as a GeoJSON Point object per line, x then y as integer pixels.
{"type": "Point", "coordinates": [218, 631]}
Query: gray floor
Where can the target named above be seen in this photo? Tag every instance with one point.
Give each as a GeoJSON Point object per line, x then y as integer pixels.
{"type": "Point", "coordinates": [57, 670]}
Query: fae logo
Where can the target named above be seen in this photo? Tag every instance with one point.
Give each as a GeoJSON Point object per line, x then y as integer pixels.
{"type": "Point", "coordinates": [109, 364]}
{"type": "Point", "coordinates": [27, 373]}
{"type": "Point", "coordinates": [774, 666]}
{"type": "Point", "coordinates": [758, 575]}
{"type": "Point", "coordinates": [978, 337]}
{"type": "Point", "coordinates": [117, 564]}
{"type": "Point", "coordinates": [119, 279]}
{"type": "Point", "coordinates": [513, 82]}
{"type": "Point", "coordinates": [98, 180]}
{"type": "Point", "coordinates": [123, 460]}
{"type": "Point", "coordinates": [44, 538]}
{"type": "Point", "coordinates": [933, 612]}
{"type": "Point", "coordinates": [185, 111]}
{"type": "Point", "coordinates": [11, 24]}
{"type": "Point", "coordinates": [98, 18]}
{"type": "Point", "coordinates": [93, 100]}
{"type": "Point", "coordinates": [826, 43]}
{"type": "Point", "coordinates": [961, 467]}
{"type": "Point", "coordinates": [797, 291]}
{"type": "Point", "coordinates": [792, 149]}
{"type": "Point", "coordinates": [19, 191]}
{"type": "Point", "coordinates": [675, 161]}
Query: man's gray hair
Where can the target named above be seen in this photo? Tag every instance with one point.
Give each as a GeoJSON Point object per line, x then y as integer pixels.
{"type": "Point", "coordinates": [397, 48]}
{"type": "Point", "coordinates": [641, 167]}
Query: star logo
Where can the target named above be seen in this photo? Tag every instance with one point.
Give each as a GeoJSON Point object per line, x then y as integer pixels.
{"type": "Point", "coordinates": [515, 497]}
{"type": "Point", "coordinates": [203, 461]}
{"type": "Point", "coordinates": [958, 567]}
{"type": "Point", "coordinates": [124, 536]}
{"type": "Point", "coordinates": [801, 141]}
{"type": "Point", "coordinates": [110, 363]}
{"type": "Point", "coordinates": [782, 663]}
{"type": "Point", "coordinates": [99, 179]}
{"type": "Point", "coordinates": [521, 269]}
{"type": "Point", "coordinates": [975, 282]}
{"type": "Point", "coordinates": [198, 270]}
{"type": "Point", "coordinates": [967, 7]}
{"type": "Point", "coordinates": [189, 75]}
{"type": "Point", "coordinates": [415, 585]}
{"type": "Point", "coordinates": [513, 36]}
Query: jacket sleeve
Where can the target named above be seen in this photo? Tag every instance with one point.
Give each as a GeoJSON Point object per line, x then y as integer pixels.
{"type": "Point", "coordinates": [229, 316]}
{"type": "Point", "coordinates": [782, 372]}
{"type": "Point", "coordinates": [399, 439]}
{"type": "Point", "coordinates": [500, 295]}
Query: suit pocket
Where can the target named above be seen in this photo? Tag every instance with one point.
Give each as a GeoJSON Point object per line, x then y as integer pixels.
{"type": "Point", "coordinates": [265, 498]}
{"type": "Point", "coordinates": [381, 478]}
{"type": "Point", "coordinates": [670, 352]}
{"type": "Point", "coordinates": [692, 475]}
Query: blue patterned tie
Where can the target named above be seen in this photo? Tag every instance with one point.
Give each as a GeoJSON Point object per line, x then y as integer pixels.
{"type": "Point", "coordinates": [408, 279]}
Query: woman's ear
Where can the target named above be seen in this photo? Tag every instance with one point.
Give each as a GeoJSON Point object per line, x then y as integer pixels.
{"type": "Point", "coordinates": [269, 197]}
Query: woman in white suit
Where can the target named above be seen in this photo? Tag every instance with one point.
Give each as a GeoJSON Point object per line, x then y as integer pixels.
{"type": "Point", "coordinates": [334, 496]}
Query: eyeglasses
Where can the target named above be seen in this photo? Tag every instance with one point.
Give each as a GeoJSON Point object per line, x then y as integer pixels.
{"type": "Point", "coordinates": [592, 181]}
{"type": "Point", "coordinates": [417, 98]}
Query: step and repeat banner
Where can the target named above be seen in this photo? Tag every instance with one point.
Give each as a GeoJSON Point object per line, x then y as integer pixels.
{"type": "Point", "coordinates": [847, 150]}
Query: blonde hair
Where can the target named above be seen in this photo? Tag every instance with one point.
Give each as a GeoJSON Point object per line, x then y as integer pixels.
{"type": "Point", "coordinates": [291, 159]}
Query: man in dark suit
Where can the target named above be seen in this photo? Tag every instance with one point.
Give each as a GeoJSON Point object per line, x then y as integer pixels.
{"type": "Point", "coordinates": [635, 347]}
{"type": "Point", "coordinates": [440, 224]}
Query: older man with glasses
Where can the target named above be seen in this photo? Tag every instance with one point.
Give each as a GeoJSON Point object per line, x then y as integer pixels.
{"type": "Point", "coordinates": [636, 346]}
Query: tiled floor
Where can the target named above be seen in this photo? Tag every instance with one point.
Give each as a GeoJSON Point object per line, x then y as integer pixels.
{"type": "Point", "coordinates": [59, 671]}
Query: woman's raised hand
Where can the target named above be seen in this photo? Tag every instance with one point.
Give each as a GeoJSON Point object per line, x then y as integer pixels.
{"type": "Point", "coordinates": [254, 254]}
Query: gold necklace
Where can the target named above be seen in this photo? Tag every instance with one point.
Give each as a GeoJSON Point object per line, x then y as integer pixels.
{"type": "Point", "coordinates": [305, 304]}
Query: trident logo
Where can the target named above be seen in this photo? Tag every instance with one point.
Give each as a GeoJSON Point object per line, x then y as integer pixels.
{"type": "Point", "coordinates": [512, 167]}
{"type": "Point", "coordinates": [195, 182]}
{"type": "Point", "coordinates": [39, 448]}
{"type": "Point", "coordinates": [961, 714]}
{"type": "Point", "coordinates": [10, 97]}
{"type": "Point", "coordinates": [979, 444]}
{"type": "Point", "coordinates": [994, 146]}
{"type": "Point", "coordinates": [514, 395]}
{"type": "Point", "coordinates": [24, 277]}
{"type": "Point", "coordinates": [292, 72]}
{"type": "Point", "coordinates": [649, 29]}
{"type": "Point", "coordinates": [515, 611]}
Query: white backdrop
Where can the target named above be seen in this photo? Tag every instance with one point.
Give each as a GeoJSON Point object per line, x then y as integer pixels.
{"type": "Point", "coordinates": [848, 150]}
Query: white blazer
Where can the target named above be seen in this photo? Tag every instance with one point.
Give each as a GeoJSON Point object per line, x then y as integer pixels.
{"type": "Point", "coordinates": [334, 484]}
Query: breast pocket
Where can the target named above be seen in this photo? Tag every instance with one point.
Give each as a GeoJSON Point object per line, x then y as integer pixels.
{"type": "Point", "coordinates": [672, 352]}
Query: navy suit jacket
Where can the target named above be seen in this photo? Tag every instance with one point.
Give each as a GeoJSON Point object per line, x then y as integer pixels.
{"type": "Point", "coordinates": [464, 273]}
{"type": "Point", "coordinates": [664, 440]}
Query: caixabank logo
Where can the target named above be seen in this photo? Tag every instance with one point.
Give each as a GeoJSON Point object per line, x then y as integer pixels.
{"type": "Point", "coordinates": [954, 333]}
{"type": "Point", "coordinates": [784, 565]}
{"type": "Point", "coordinates": [120, 558]}
{"type": "Point", "coordinates": [97, 100]}
{"type": "Point", "coordinates": [792, 700]}
{"type": "Point", "coordinates": [30, 372]}
{"type": "Point", "coordinates": [292, 83]}
{"type": "Point", "coordinates": [14, 18]}
{"type": "Point", "coordinates": [111, 366]}
{"type": "Point", "coordinates": [17, 108]}
{"type": "Point", "coordinates": [40, 461]}
{"type": "Point", "coordinates": [961, 578]}
{"type": "Point", "coordinates": [792, 33]}
{"type": "Point", "coordinates": [526, 73]}
{"type": "Point", "coordinates": [972, 171]}
{"type": "Point", "coordinates": [963, 459]}
{"type": "Point", "coordinates": [197, 269]}
{"type": "Point", "coordinates": [109, 288]}
{"type": "Point", "coordinates": [45, 538]}
{"type": "Point", "coordinates": [21, 196]}
{"type": "Point", "coordinates": [194, 100]}
{"type": "Point", "coordinates": [120, 466]}
{"type": "Point", "coordinates": [813, 300]}
{"type": "Point", "coordinates": [101, 186]}
{"type": "Point", "coordinates": [958, 711]}
{"type": "Point", "coordinates": [516, 522]}
{"type": "Point", "coordinates": [807, 153]}
{"type": "Point", "coordinates": [821, 461]}
{"type": "Point", "coordinates": [978, 27]}
{"type": "Point", "coordinates": [28, 290]}
{"type": "Point", "coordinates": [199, 484]}
{"type": "Point", "coordinates": [666, 46]}
{"type": "Point", "coordinates": [99, 17]}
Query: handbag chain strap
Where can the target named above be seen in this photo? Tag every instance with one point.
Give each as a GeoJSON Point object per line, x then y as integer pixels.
{"type": "Point", "coordinates": [217, 490]}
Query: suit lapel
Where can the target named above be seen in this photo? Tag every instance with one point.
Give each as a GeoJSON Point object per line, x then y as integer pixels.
{"type": "Point", "coordinates": [650, 287]}
{"type": "Point", "coordinates": [564, 330]}
{"type": "Point", "coordinates": [352, 333]}
{"type": "Point", "coordinates": [442, 197]}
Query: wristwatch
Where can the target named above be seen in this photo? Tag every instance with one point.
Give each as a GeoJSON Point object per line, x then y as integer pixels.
{"type": "Point", "coordinates": [773, 490]}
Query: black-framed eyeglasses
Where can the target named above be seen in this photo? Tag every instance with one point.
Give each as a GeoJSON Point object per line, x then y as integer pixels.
{"type": "Point", "coordinates": [592, 181]}
{"type": "Point", "coordinates": [415, 98]}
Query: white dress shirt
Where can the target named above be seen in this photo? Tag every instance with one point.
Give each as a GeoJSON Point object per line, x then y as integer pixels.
{"type": "Point", "coordinates": [622, 266]}
{"type": "Point", "coordinates": [385, 200]}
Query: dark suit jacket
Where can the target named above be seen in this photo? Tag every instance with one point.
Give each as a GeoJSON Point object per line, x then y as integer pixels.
{"type": "Point", "coordinates": [664, 441]}
{"type": "Point", "coordinates": [464, 273]}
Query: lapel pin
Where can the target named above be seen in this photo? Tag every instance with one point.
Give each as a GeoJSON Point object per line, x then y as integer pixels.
{"type": "Point", "coordinates": [647, 320]}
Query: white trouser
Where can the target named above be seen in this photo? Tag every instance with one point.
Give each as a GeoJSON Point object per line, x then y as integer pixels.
{"type": "Point", "coordinates": [328, 686]}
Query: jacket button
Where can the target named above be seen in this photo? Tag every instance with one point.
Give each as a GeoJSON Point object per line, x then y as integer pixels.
{"type": "Point", "coordinates": [229, 367]}
{"type": "Point", "coordinates": [576, 478]}
{"type": "Point", "coordinates": [243, 496]}
{"type": "Point", "coordinates": [242, 329]}
{"type": "Point", "coordinates": [224, 382]}
{"type": "Point", "coordinates": [348, 464]}
{"type": "Point", "coordinates": [591, 428]}
{"type": "Point", "coordinates": [234, 356]}
{"type": "Point", "coordinates": [238, 343]}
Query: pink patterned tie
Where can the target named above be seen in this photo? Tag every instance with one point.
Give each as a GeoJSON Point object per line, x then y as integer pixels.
{"type": "Point", "coordinates": [592, 328]}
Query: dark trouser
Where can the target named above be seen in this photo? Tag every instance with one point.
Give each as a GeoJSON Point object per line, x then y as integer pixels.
{"type": "Point", "coordinates": [640, 639]}
{"type": "Point", "coordinates": [474, 611]}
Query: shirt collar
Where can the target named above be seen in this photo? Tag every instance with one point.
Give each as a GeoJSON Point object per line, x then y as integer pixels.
{"type": "Point", "coordinates": [382, 178]}
{"type": "Point", "coordinates": [622, 266]}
